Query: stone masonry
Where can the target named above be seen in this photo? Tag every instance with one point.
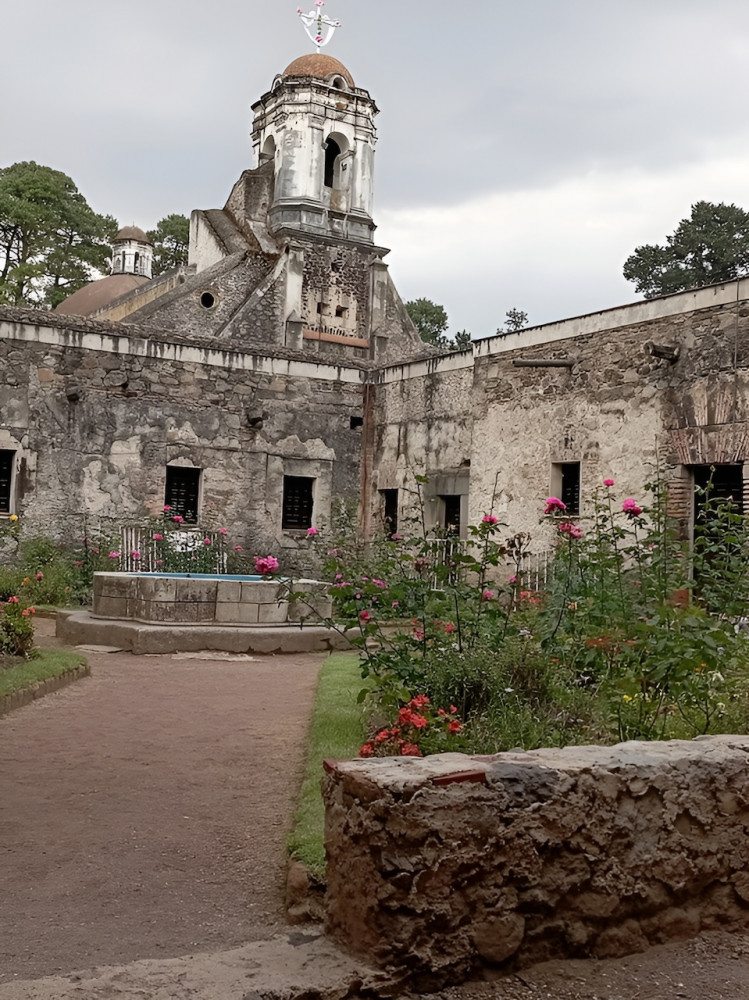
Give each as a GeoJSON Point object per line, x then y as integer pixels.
{"type": "Point", "coordinates": [442, 865]}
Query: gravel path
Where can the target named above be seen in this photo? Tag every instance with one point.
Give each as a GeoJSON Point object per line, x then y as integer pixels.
{"type": "Point", "coordinates": [144, 810]}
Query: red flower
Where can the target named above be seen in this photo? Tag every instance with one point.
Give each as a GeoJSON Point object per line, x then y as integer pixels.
{"type": "Point", "coordinates": [410, 750]}
{"type": "Point", "coordinates": [455, 726]}
{"type": "Point", "coordinates": [364, 617]}
{"type": "Point", "coordinates": [367, 750]}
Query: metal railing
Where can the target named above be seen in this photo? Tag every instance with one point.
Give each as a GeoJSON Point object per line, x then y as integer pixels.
{"type": "Point", "coordinates": [188, 548]}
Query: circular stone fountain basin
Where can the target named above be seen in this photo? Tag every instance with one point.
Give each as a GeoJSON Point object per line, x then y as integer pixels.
{"type": "Point", "coordinates": [205, 599]}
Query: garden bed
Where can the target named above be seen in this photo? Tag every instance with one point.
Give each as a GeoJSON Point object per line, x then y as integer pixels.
{"type": "Point", "coordinates": [24, 680]}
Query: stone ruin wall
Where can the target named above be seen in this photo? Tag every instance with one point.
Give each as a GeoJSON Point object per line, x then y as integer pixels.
{"type": "Point", "coordinates": [97, 415]}
{"type": "Point", "coordinates": [438, 867]}
{"type": "Point", "coordinates": [620, 410]}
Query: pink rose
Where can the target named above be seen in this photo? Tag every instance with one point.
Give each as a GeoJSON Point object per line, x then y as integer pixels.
{"type": "Point", "coordinates": [608, 482]}
{"type": "Point", "coordinates": [135, 554]}
{"type": "Point", "coordinates": [207, 541]}
{"type": "Point", "coordinates": [364, 617]}
{"type": "Point", "coordinates": [487, 595]}
{"type": "Point", "coordinates": [223, 531]}
{"type": "Point", "coordinates": [177, 519]}
{"type": "Point", "coordinates": [311, 532]}
{"type": "Point", "coordinates": [631, 508]}
{"type": "Point", "coordinates": [489, 519]}
{"type": "Point", "coordinates": [114, 555]}
{"type": "Point", "coordinates": [158, 538]}
{"type": "Point", "coordinates": [553, 504]}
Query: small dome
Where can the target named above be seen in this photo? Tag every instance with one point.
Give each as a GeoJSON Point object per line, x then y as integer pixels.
{"type": "Point", "coordinates": [98, 294]}
{"type": "Point", "coordinates": [131, 233]}
{"type": "Point", "coordinates": [320, 66]}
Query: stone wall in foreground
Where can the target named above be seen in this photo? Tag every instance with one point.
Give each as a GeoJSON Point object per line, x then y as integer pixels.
{"type": "Point", "coordinates": [445, 864]}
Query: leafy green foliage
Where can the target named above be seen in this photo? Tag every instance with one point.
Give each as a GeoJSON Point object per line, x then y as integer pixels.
{"type": "Point", "coordinates": [51, 241]}
{"type": "Point", "coordinates": [612, 649]}
{"type": "Point", "coordinates": [712, 245]}
{"type": "Point", "coordinates": [431, 321]}
{"type": "Point", "coordinates": [170, 239]}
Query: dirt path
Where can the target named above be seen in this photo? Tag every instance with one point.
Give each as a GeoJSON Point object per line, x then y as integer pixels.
{"type": "Point", "coordinates": [143, 810]}
{"type": "Point", "coordinates": [142, 821]}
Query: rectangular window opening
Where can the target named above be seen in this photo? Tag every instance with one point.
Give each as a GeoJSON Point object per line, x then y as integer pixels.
{"type": "Point", "coordinates": [7, 461]}
{"type": "Point", "coordinates": [298, 502]}
{"type": "Point", "coordinates": [182, 492]}
{"type": "Point", "coordinates": [451, 516]}
{"type": "Point", "coordinates": [389, 500]}
{"type": "Point", "coordinates": [356, 422]}
{"type": "Point", "coordinates": [565, 483]}
{"type": "Point", "coordinates": [341, 312]}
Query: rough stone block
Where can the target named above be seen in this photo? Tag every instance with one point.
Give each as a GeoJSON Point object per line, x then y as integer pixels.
{"type": "Point", "coordinates": [200, 591]}
{"type": "Point", "coordinates": [115, 584]}
{"type": "Point", "coordinates": [229, 591]}
{"type": "Point", "coordinates": [157, 588]}
{"type": "Point", "coordinates": [261, 592]}
{"type": "Point", "coordinates": [555, 853]}
{"type": "Point", "coordinates": [111, 607]}
{"type": "Point", "coordinates": [273, 614]}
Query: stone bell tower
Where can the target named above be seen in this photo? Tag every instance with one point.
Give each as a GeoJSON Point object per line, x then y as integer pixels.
{"type": "Point", "coordinates": [318, 129]}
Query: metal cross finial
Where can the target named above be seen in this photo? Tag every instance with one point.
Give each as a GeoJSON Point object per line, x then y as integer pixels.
{"type": "Point", "coordinates": [319, 26]}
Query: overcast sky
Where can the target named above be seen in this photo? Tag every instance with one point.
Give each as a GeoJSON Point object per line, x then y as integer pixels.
{"type": "Point", "coordinates": [525, 149]}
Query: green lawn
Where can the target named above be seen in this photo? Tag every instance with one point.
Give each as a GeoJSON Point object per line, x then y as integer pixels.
{"type": "Point", "coordinates": [46, 663]}
{"type": "Point", "coordinates": [337, 732]}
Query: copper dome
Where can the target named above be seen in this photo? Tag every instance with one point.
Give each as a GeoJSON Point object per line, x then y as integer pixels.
{"type": "Point", "coordinates": [320, 66]}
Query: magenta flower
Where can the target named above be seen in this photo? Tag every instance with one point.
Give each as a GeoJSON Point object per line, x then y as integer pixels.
{"type": "Point", "coordinates": [364, 617]}
{"type": "Point", "coordinates": [311, 532]}
{"type": "Point", "coordinates": [114, 555]}
{"type": "Point", "coordinates": [608, 482]}
{"type": "Point", "coordinates": [237, 548]}
{"type": "Point", "coordinates": [380, 583]}
{"type": "Point", "coordinates": [177, 519]}
{"type": "Point", "coordinates": [265, 565]}
{"type": "Point", "coordinates": [489, 519]}
{"type": "Point", "coordinates": [158, 538]}
{"type": "Point", "coordinates": [166, 509]}
{"type": "Point", "coordinates": [573, 530]}
{"type": "Point", "coordinates": [223, 531]}
{"type": "Point", "coordinates": [513, 579]}
{"type": "Point", "coordinates": [39, 576]}
{"type": "Point", "coordinates": [554, 504]}
{"type": "Point", "coordinates": [487, 595]}
{"type": "Point", "coordinates": [135, 554]}
{"type": "Point", "coordinates": [631, 508]}
{"type": "Point", "coordinates": [207, 541]}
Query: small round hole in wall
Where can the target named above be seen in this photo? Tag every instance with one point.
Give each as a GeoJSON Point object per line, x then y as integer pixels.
{"type": "Point", "coordinates": [208, 300]}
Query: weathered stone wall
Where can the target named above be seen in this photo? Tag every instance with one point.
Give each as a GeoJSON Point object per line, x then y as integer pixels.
{"type": "Point", "coordinates": [96, 415]}
{"type": "Point", "coordinates": [620, 409]}
{"type": "Point", "coordinates": [440, 865]}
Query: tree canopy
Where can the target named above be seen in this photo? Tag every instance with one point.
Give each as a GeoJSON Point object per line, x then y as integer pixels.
{"type": "Point", "coordinates": [51, 240]}
{"type": "Point", "coordinates": [170, 239]}
{"type": "Point", "coordinates": [515, 320]}
{"type": "Point", "coordinates": [712, 245]}
{"type": "Point", "coordinates": [431, 321]}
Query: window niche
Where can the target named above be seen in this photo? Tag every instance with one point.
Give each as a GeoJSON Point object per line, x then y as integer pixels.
{"type": "Point", "coordinates": [7, 465]}
{"type": "Point", "coordinates": [298, 503]}
{"type": "Point", "coordinates": [565, 484]}
{"type": "Point", "coordinates": [389, 510]}
{"type": "Point", "coordinates": [182, 492]}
